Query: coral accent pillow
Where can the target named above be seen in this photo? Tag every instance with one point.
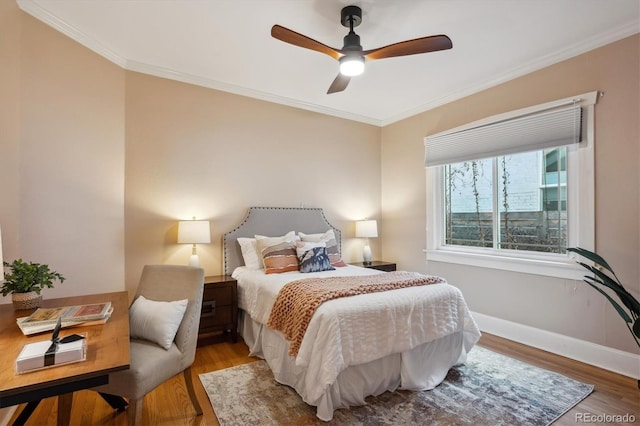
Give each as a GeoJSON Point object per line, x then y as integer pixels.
{"type": "Point", "coordinates": [249, 247]}
{"type": "Point", "coordinates": [278, 255]}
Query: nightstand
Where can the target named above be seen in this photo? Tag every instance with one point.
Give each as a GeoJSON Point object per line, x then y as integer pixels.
{"type": "Point", "coordinates": [219, 307]}
{"type": "Point", "coordinates": [377, 264]}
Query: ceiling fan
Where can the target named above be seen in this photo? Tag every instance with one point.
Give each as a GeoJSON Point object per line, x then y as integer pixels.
{"type": "Point", "coordinates": [351, 56]}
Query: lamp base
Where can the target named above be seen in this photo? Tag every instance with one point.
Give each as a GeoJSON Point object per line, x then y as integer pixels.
{"type": "Point", "coordinates": [366, 254]}
{"type": "Point", "coordinates": [194, 260]}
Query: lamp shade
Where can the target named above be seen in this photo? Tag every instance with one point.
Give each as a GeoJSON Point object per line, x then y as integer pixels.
{"type": "Point", "coordinates": [194, 232]}
{"type": "Point", "coordinates": [366, 229]}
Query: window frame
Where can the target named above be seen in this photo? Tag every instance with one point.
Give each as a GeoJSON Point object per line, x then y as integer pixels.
{"type": "Point", "coordinates": [580, 198]}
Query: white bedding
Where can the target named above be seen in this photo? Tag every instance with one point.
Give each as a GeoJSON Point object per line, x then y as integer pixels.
{"type": "Point", "coordinates": [356, 330]}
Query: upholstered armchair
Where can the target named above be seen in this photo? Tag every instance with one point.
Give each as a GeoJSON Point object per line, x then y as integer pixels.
{"type": "Point", "coordinates": [156, 355]}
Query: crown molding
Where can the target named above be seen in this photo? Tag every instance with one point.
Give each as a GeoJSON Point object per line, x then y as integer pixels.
{"type": "Point", "coordinates": [243, 91]}
{"type": "Point", "coordinates": [542, 62]}
{"type": "Point", "coordinates": [75, 34]}
{"type": "Point", "coordinates": [70, 31]}
{"type": "Point", "coordinates": [615, 34]}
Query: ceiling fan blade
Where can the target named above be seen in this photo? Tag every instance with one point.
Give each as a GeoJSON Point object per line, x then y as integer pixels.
{"type": "Point", "coordinates": [297, 39]}
{"type": "Point", "coordinates": [410, 47]}
{"type": "Point", "coordinates": [339, 84]}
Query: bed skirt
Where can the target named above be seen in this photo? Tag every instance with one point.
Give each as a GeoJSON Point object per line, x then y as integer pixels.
{"type": "Point", "coordinates": [421, 368]}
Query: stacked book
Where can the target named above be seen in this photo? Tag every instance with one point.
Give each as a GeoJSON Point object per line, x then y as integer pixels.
{"type": "Point", "coordinates": [45, 319]}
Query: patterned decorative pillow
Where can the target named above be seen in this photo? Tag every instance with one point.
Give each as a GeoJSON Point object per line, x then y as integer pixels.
{"type": "Point", "coordinates": [278, 255]}
{"type": "Point", "coordinates": [250, 253]}
{"type": "Point", "coordinates": [313, 257]}
{"type": "Point", "coordinates": [329, 238]}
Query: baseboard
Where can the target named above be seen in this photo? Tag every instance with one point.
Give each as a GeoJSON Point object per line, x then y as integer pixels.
{"type": "Point", "coordinates": [611, 359]}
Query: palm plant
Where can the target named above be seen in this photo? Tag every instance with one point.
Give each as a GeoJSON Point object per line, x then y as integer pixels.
{"type": "Point", "coordinates": [601, 278]}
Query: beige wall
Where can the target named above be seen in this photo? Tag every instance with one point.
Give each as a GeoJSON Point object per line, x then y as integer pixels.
{"type": "Point", "coordinates": [10, 54]}
{"type": "Point", "coordinates": [562, 306]}
{"type": "Point", "coordinates": [192, 151]}
{"type": "Point", "coordinates": [62, 156]}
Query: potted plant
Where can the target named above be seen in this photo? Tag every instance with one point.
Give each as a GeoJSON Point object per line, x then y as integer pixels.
{"type": "Point", "coordinates": [604, 277]}
{"type": "Point", "coordinates": [25, 281]}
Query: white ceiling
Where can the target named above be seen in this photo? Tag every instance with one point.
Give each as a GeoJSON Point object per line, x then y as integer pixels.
{"type": "Point", "coordinates": [226, 45]}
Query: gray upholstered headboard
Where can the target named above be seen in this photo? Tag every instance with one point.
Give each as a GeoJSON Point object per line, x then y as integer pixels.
{"type": "Point", "coordinates": [273, 221]}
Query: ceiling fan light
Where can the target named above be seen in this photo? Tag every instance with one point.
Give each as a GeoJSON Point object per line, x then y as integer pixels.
{"type": "Point", "coordinates": [351, 65]}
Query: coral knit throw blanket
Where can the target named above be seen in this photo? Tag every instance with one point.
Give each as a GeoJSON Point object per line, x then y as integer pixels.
{"type": "Point", "coordinates": [298, 300]}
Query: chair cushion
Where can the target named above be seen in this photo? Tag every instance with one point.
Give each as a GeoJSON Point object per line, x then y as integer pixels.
{"type": "Point", "coordinates": [150, 366]}
{"type": "Point", "coordinates": [156, 321]}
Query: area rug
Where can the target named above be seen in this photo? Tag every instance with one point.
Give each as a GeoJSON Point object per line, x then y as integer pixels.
{"type": "Point", "coordinates": [490, 389]}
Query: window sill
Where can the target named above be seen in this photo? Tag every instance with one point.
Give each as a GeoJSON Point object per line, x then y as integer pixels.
{"type": "Point", "coordinates": [552, 267]}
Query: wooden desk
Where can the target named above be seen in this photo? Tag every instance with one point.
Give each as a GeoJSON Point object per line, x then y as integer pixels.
{"type": "Point", "coordinates": [107, 352]}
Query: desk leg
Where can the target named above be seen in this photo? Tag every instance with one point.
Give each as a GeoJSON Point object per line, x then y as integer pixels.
{"type": "Point", "coordinates": [64, 408]}
{"type": "Point", "coordinates": [26, 413]}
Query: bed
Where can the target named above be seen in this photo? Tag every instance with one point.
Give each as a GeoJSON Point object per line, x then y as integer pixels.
{"type": "Point", "coordinates": [354, 346]}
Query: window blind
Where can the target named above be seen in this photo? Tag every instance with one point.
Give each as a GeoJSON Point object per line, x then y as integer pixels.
{"type": "Point", "coordinates": [531, 132]}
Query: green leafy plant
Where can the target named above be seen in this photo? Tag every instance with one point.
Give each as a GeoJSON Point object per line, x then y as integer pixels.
{"type": "Point", "coordinates": [603, 276]}
{"type": "Point", "coordinates": [25, 277]}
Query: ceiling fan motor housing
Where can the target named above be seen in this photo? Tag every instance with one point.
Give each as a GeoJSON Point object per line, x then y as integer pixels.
{"type": "Point", "coordinates": [352, 42]}
{"type": "Point", "coordinates": [351, 16]}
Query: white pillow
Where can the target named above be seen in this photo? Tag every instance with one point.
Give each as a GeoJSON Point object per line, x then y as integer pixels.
{"type": "Point", "coordinates": [249, 247]}
{"type": "Point", "coordinates": [303, 247]}
{"type": "Point", "coordinates": [156, 321]}
{"type": "Point", "coordinates": [329, 238]}
{"type": "Point", "coordinates": [321, 237]}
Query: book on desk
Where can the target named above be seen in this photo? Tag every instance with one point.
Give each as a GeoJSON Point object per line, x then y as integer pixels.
{"type": "Point", "coordinates": [45, 319]}
{"type": "Point", "coordinates": [88, 312]}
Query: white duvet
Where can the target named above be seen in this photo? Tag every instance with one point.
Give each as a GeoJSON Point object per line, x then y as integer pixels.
{"type": "Point", "coordinates": [355, 330]}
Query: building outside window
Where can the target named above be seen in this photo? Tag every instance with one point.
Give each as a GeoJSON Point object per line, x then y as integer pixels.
{"type": "Point", "coordinates": [523, 213]}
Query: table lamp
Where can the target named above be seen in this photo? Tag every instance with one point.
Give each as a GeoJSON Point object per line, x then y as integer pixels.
{"type": "Point", "coordinates": [366, 229]}
{"type": "Point", "coordinates": [194, 232]}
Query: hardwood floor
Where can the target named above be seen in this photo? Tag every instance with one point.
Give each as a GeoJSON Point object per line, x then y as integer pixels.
{"type": "Point", "coordinates": [169, 404]}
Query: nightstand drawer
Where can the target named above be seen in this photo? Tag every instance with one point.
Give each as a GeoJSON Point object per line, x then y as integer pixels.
{"type": "Point", "coordinates": [215, 317]}
{"type": "Point", "coordinates": [223, 296]}
{"type": "Point", "coordinates": [219, 309]}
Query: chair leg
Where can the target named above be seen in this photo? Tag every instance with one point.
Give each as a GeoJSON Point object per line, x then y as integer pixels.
{"type": "Point", "coordinates": [115, 401]}
{"type": "Point", "coordinates": [134, 412]}
{"type": "Point", "coordinates": [192, 393]}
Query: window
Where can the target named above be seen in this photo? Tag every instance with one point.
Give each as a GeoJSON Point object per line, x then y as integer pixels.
{"type": "Point", "coordinates": [521, 214]}
{"type": "Point", "coordinates": [505, 192]}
